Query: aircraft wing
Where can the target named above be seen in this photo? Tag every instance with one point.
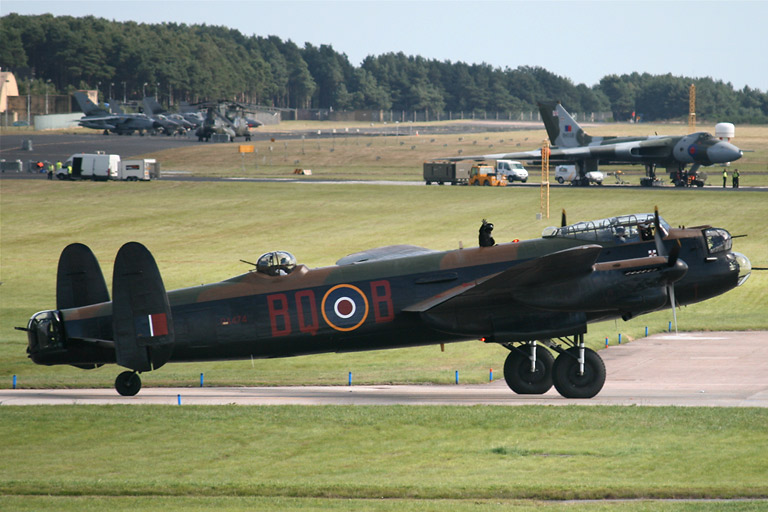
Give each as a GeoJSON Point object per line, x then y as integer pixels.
{"type": "Point", "coordinates": [389, 252]}
{"type": "Point", "coordinates": [105, 119]}
{"type": "Point", "coordinates": [523, 155]}
{"type": "Point", "coordinates": [651, 148]}
{"type": "Point", "coordinates": [516, 282]}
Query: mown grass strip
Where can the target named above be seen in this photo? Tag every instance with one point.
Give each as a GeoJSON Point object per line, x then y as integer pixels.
{"type": "Point", "coordinates": [198, 232]}
{"type": "Point", "coordinates": [251, 504]}
{"type": "Point", "coordinates": [396, 452]}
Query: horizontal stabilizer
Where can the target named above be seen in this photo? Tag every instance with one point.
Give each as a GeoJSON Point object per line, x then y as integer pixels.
{"type": "Point", "coordinates": [141, 315]}
{"type": "Point", "coordinates": [79, 281]}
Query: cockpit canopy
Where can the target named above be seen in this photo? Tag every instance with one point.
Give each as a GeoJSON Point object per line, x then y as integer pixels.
{"type": "Point", "coordinates": [276, 263]}
{"type": "Point", "coordinates": [625, 228]}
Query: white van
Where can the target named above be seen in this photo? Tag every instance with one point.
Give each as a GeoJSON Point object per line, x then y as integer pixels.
{"type": "Point", "coordinates": [565, 173]}
{"type": "Point", "coordinates": [87, 166]}
{"type": "Point", "coordinates": [512, 169]}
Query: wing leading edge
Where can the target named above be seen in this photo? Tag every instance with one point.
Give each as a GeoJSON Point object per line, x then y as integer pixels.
{"type": "Point", "coordinates": [551, 269]}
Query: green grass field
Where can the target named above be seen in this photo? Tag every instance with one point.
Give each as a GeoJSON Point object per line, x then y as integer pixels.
{"type": "Point", "coordinates": [199, 231]}
{"type": "Point", "coordinates": [401, 157]}
{"type": "Point", "coordinates": [476, 457]}
{"type": "Point", "coordinates": [340, 458]}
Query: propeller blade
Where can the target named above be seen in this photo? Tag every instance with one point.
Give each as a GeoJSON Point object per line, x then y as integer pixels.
{"type": "Point", "coordinates": [658, 233]}
{"type": "Point", "coordinates": [671, 291]}
{"type": "Point", "coordinates": [673, 255]}
{"type": "Point", "coordinates": [562, 219]}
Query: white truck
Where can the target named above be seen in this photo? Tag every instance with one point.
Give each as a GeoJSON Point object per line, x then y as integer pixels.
{"type": "Point", "coordinates": [98, 167]}
{"type": "Point", "coordinates": [137, 170]}
{"type": "Point", "coordinates": [102, 167]}
{"type": "Point", "coordinates": [565, 173]}
{"type": "Point", "coordinates": [512, 169]}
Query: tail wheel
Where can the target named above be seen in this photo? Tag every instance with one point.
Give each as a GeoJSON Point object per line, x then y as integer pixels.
{"type": "Point", "coordinates": [128, 383]}
{"type": "Point", "coordinates": [519, 375]}
{"type": "Point", "coordinates": [570, 381]}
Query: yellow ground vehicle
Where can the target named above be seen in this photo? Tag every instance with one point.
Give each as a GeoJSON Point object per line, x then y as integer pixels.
{"type": "Point", "coordinates": [485, 175]}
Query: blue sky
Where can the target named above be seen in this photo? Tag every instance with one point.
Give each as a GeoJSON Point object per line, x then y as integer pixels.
{"type": "Point", "coordinates": [580, 40]}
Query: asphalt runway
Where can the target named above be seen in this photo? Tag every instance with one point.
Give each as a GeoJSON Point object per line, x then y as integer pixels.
{"type": "Point", "coordinates": [53, 147]}
{"type": "Point", "coordinates": [722, 369]}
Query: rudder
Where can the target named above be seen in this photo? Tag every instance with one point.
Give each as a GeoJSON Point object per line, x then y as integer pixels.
{"type": "Point", "coordinates": [79, 280]}
{"type": "Point", "coordinates": [141, 315]}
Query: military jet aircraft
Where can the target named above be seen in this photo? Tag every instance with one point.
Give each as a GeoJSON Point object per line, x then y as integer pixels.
{"type": "Point", "coordinates": [515, 294]}
{"type": "Point", "coordinates": [97, 118]}
{"type": "Point", "coordinates": [572, 145]}
{"type": "Point", "coordinates": [171, 123]}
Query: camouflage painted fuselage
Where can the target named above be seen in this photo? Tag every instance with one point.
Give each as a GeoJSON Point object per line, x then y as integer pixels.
{"type": "Point", "coordinates": [375, 304]}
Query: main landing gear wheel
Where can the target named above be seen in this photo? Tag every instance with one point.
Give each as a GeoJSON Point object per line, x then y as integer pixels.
{"type": "Point", "coordinates": [570, 381]}
{"type": "Point", "coordinates": [128, 383]}
{"type": "Point", "coordinates": [518, 374]}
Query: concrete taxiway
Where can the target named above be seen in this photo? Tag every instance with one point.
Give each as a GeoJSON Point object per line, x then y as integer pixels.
{"type": "Point", "coordinates": [726, 369]}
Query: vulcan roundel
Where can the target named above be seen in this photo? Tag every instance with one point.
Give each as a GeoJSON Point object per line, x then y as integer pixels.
{"type": "Point", "coordinates": [691, 150]}
{"type": "Point", "coordinates": [344, 307]}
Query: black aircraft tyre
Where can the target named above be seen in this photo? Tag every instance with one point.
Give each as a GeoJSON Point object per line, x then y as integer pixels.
{"type": "Point", "coordinates": [128, 383]}
{"type": "Point", "coordinates": [518, 375]}
{"type": "Point", "coordinates": [568, 382]}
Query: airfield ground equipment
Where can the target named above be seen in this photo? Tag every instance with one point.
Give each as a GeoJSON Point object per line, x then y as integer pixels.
{"type": "Point", "coordinates": [454, 173]}
{"type": "Point", "coordinates": [619, 176]}
{"type": "Point", "coordinates": [485, 175]}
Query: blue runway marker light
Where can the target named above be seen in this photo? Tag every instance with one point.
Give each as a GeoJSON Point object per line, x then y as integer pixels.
{"type": "Point", "coordinates": [201, 380]}
{"type": "Point", "coordinates": [178, 399]}
{"type": "Point", "coordinates": [646, 331]}
{"type": "Point", "coordinates": [619, 338]}
{"type": "Point", "coordinates": [457, 376]}
{"type": "Point", "coordinates": [350, 378]}
{"type": "Point", "coordinates": [606, 342]}
{"type": "Point", "coordinates": [14, 382]}
{"type": "Point", "coordinates": [490, 377]}
{"type": "Point", "coordinates": [669, 328]}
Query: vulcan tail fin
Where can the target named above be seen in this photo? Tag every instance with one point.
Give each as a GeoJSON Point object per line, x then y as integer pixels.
{"type": "Point", "coordinates": [562, 129]}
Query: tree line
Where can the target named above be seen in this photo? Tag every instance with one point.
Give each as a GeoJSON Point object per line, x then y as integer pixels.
{"type": "Point", "coordinates": [202, 62]}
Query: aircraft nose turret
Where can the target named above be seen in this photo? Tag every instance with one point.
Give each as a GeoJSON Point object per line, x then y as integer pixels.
{"type": "Point", "coordinates": [745, 267]}
{"type": "Point", "coordinates": [723, 152]}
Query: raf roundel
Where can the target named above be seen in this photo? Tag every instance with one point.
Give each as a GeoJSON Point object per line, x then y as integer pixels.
{"type": "Point", "coordinates": [344, 307]}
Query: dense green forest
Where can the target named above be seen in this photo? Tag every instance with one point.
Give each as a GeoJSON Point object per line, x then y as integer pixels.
{"type": "Point", "coordinates": [201, 62]}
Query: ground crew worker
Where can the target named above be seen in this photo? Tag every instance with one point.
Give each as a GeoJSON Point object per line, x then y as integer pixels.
{"type": "Point", "coordinates": [50, 171]}
{"type": "Point", "coordinates": [725, 177]}
{"type": "Point", "coordinates": [69, 171]}
{"type": "Point", "coordinates": [485, 238]}
{"type": "Point", "coordinates": [735, 178]}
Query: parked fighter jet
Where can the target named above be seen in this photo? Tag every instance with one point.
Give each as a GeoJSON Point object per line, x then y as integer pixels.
{"type": "Point", "coordinates": [571, 144]}
{"type": "Point", "coordinates": [513, 294]}
{"type": "Point", "coordinates": [99, 119]}
{"type": "Point", "coordinates": [171, 123]}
